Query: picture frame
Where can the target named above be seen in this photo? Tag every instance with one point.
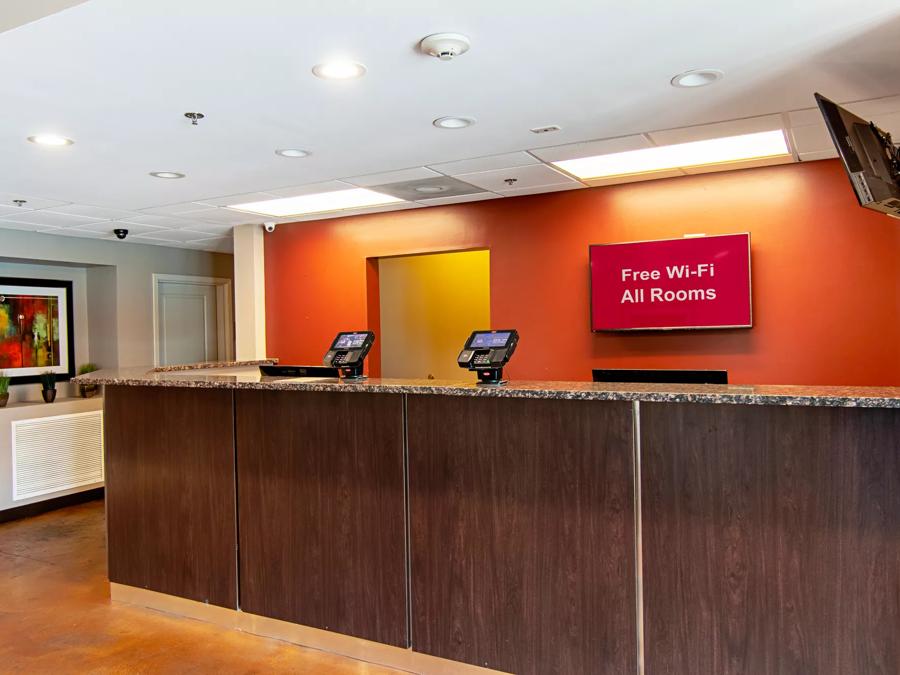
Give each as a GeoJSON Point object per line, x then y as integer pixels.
{"type": "Point", "coordinates": [37, 332]}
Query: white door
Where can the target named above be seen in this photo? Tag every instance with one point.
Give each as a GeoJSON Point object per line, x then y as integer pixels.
{"type": "Point", "coordinates": [187, 322]}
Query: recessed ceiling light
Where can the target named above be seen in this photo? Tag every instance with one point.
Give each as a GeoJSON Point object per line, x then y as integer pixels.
{"type": "Point", "coordinates": [320, 202]}
{"type": "Point", "coordinates": [454, 122]}
{"type": "Point", "coordinates": [292, 152]}
{"type": "Point", "coordinates": [50, 139]}
{"type": "Point", "coordinates": [339, 70]}
{"type": "Point", "coordinates": [431, 189]}
{"type": "Point", "coordinates": [166, 174]}
{"type": "Point", "coordinates": [697, 78]}
{"type": "Point", "coordinates": [760, 145]}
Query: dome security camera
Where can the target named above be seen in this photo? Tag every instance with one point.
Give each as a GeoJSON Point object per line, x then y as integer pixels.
{"type": "Point", "coordinates": [120, 232]}
{"type": "Point", "coordinates": [269, 227]}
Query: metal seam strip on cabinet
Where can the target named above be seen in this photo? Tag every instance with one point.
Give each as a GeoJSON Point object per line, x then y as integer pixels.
{"type": "Point", "coordinates": [237, 514]}
{"type": "Point", "coordinates": [406, 516]}
{"type": "Point", "coordinates": [638, 546]}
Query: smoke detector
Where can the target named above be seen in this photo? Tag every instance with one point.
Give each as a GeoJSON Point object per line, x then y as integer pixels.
{"type": "Point", "coordinates": [445, 46]}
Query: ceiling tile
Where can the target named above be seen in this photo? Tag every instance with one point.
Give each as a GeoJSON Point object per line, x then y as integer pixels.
{"type": "Point", "coordinates": [309, 189]}
{"type": "Point", "coordinates": [874, 108]}
{"type": "Point", "coordinates": [215, 244]}
{"type": "Point", "coordinates": [48, 218]}
{"type": "Point", "coordinates": [211, 228]}
{"type": "Point", "coordinates": [490, 163]}
{"type": "Point", "coordinates": [402, 176]}
{"type": "Point", "coordinates": [811, 138]}
{"type": "Point", "coordinates": [608, 146]}
{"type": "Point", "coordinates": [800, 118]}
{"type": "Point", "coordinates": [227, 217]}
{"type": "Point", "coordinates": [85, 234]}
{"type": "Point", "coordinates": [703, 132]}
{"type": "Point", "coordinates": [175, 209]}
{"type": "Point", "coordinates": [524, 176]}
{"type": "Point", "coordinates": [98, 212]}
{"type": "Point", "coordinates": [229, 200]}
{"type": "Point", "coordinates": [174, 235]}
{"type": "Point", "coordinates": [12, 211]}
{"type": "Point", "coordinates": [7, 198]}
{"type": "Point", "coordinates": [817, 155]}
{"type": "Point", "coordinates": [477, 197]}
{"type": "Point", "coordinates": [152, 219]}
{"type": "Point", "coordinates": [107, 226]}
{"type": "Point", "coordinates": [540, 189]}
{"type": "Point", "coordinates": [412, 191]}
{"type": "Point", "coordinates": [30, 227]}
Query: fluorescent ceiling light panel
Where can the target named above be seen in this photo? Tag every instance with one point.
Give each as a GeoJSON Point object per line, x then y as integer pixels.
{"type": "Point", "coordinates": [321, 202]}
{"type": "Point", "coordinates": [760, 145]}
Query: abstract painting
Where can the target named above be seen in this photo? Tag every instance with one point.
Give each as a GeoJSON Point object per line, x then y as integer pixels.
{"type": "Point", "coordinates": [35, 328]}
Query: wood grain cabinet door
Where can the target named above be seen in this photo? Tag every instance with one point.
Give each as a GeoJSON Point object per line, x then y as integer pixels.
{"type": "Point", "coordinates": [322, 516]}
{"type": "Point", "coordinates": [522, 527]}
{"type": "Point", "coordinates": [771, 540]}
{"type": "Point", "coordinates": [170, 501]}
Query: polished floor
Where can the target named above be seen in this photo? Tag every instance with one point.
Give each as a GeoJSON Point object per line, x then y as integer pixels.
{"type": "Point", "coordinates": [56, 617]}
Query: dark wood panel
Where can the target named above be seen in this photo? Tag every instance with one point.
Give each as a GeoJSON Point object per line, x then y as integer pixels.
{"type": "Point", "coordinates": [322, 510]}
{"type": "Point", "coordinates": [771, 540]}
{"type": "Point", "coordinates": [522, 533]}
{"type": "Point", "coordinates": [170, 491]}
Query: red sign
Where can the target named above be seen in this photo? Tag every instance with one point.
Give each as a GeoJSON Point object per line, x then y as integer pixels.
{"type": "Point", "coordinates": [698, 282]}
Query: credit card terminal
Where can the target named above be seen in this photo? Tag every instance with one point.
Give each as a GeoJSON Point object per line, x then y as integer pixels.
{"type": "Point", "coordinates": [486, 352]}
{"type": "Point", "coordinates": [348, 352]}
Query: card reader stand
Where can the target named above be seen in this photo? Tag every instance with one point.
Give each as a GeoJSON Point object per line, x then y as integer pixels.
{"type": "Point", "coordinates": [348, 353]}
{"type": "Point", "coordinates": [486, 352]}
{"type": "Point", "coordinates": [353, 373]}
{"type": "Point", "coordinates": [491, 377]}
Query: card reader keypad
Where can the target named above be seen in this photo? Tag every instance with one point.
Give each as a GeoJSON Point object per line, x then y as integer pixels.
{"type": "Point", "coordinates": [482, 360]}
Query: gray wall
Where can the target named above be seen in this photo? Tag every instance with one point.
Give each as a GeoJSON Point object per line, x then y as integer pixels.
{"type": "Point", "coordinates": [113, 289]}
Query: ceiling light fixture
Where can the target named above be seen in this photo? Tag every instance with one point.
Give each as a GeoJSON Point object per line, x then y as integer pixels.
{"type": "Point", "coordinates": [691, 79]}
{"type": "Point", "coordinates": [760, 145]}
{"type": "Point", "coordinates": [292, 152]}
{"type": "Point", "coordinates": [320, 202]}
{"type": "Point", "coordinates": [339, 70]}
{"type": "Point", "coordinates": [50, 139]}
{"type": "Point", "coordinates": [431, 189]}
{"type": "Point", "coordinates": [166, 174]}
{"type": "Point", "coordinates": [453, 122]}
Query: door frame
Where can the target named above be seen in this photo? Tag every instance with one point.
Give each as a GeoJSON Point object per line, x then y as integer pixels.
{"type": "Point", "coordinates": [224, 311]}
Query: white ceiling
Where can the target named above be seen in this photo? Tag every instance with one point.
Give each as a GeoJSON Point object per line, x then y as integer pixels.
{"type": "Point", "coordinates": [117, 76]}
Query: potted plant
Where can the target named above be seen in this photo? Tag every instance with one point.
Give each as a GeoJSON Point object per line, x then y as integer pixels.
{"type": "Point", "coordinates": [87, 390]}
{"type": "Point", "coordinates": [4, 389]}
{"type": "Point", "coordinates": [48, 384]}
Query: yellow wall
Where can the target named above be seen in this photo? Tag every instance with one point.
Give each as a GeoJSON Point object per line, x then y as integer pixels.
{"type": "Point", "coordinates": [429, 306]}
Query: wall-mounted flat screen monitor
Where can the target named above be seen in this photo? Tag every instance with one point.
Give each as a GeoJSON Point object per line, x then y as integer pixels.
{"type": "Point", "coordinates": [661, 376]}
{"type": "Point", "coordinates": [870, 158]}
{"type": "Point", "coordinates": [671, 284]}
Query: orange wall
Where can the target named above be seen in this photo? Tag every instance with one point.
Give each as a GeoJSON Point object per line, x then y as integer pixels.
{"type": "Point", "coordinates": [826, 275]}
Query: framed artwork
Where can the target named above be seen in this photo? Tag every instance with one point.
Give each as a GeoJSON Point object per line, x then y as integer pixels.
{"type": "Point", "coordinates": [36, 329]}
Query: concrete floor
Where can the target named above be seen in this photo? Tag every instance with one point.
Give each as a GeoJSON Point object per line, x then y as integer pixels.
{"type": "Point", "coordinates": [56, 616]}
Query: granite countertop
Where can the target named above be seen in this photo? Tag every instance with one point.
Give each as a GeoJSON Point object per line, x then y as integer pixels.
{"type": "Point", "coordinates": [236, 375]}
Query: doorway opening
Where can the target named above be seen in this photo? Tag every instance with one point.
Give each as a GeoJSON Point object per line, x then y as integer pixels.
{"type": "Point", "coordinates": [427, 306]}
{"type": "Point", "coordinates": [192, 320]}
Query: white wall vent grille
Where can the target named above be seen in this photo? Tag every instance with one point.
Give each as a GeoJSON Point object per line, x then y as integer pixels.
{"type": "Point", "coordinates": [50, 454]}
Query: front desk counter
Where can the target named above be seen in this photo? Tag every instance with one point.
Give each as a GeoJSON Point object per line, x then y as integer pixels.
{"type": "Point", "coordinates": [541, 527]}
